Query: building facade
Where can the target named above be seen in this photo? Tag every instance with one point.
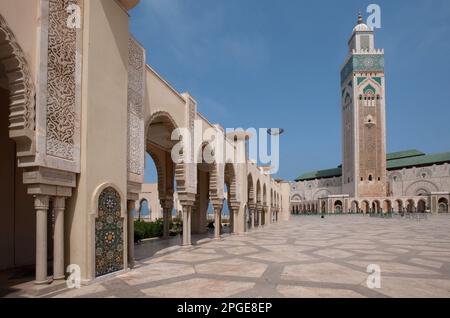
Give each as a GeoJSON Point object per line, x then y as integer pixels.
{"type": "Point", "coordinates": [369, 180]}
{"type": "Point", "coordinates": [75, 126]}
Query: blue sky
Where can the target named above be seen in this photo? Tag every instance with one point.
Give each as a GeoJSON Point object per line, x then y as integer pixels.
{"type": "Point", "coordinates": [267, 63]}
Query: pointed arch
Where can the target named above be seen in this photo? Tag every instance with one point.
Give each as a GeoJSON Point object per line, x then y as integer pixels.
{"type": "Point", "coordinates": [22, 107]}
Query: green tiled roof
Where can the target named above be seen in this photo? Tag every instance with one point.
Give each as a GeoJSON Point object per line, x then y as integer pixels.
{"type": "Point", "coordinates": [404, 154]}
{"type": "Point", "coordinates": [320, 174]}
{"type": "Point", "coordinates": [395, 161]}
{"type": "Point", "coordinates": [417, 161]}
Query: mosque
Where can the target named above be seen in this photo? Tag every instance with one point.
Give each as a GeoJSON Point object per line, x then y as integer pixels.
{"type": "Point", "coordinates": [369, 179]}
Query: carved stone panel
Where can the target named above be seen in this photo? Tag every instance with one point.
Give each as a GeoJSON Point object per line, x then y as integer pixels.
{"type": "Point", "coordinates": [61, 82]}
{"type": "Point", "coordinates": [58, 109]}
{"type": "Point", "coordinates": [136, 95]}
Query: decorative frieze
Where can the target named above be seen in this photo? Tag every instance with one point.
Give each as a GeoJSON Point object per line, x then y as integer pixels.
{"type": "Point", "coordinates": [362, 63]}
{"type": "Point", "coordinates": [61, 81]}
{"type": "Point", "coordinates": [136, 95]}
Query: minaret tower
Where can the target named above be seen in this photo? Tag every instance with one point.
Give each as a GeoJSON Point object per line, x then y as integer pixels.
{"type": "Point", "coordinates": [363, 116]}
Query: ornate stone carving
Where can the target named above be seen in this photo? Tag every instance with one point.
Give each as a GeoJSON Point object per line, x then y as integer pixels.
{"type": "Point", "coordinates": [22, 91]}
{"type": "Point", "coordinates": [136, 94]}
{"type": "Point", "coordinates": [61, 82]}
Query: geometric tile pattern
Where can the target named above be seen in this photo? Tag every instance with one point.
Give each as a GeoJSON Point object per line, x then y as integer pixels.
{"type": "Point", "coordinates": [108, 234]}
{"type": "Point", "coordinates": [304, 257]}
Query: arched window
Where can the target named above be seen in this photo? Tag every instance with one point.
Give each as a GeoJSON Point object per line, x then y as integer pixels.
{"type": "Point", "coordinates": [443, 205]}
{"type": "Point", "coordinates": [370, 177]}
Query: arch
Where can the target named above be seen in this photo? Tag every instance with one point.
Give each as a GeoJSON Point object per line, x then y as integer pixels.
{"type": "Point", "coordinates": [161, 172]}
{"type": "Point", "coordinates": [160, 117]}
{"type": "Point", "coordinates": [376, 206]}
{"type": "Point", "coordinates": [365, 205]}
{"type": "Point", "coordinates": [162, 124]}
{"type": "Point", "coordinates": [387, 206]}
{"type": "Point", "coordinates": [109, 237]}
{"type": "Point", "coordinates": [264, 201]}
{"type": "Point", "coordinates": [258, 192]}
{"type": "Point", "coordinates": [369, 90]}
{"type": "Point", "coordinates": [142, 204]}
{"type": "Point", "coordinates": [323, 207]}
{"type": "Point", "coordinates": [21, 89]}
{"type": "Point", "coordinates": [355, 206]}
{"type": "Point", "coordinates": [321, 193]}
{"type": "Point", "coordinates": [443, 205]}
{"type": "Point", "coordinates": [423, 187]}
{"type": "Point", "coordinates": [421, 206]}
{"type": "Point", "coordinates": [250, 190]}
{"type": "Point", "coordinates": [410, 205]}
{"type": "Point", "coordinates": [338, 206]}
{"type": "Point", "coordinates": [399, 205]}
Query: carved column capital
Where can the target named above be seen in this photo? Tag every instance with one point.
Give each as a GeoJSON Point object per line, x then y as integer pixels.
{"type": "Point", "coordinates": [41, 202]}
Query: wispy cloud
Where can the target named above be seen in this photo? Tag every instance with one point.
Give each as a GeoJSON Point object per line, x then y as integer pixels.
{"type": "Point", "coordinates": [200, 35]}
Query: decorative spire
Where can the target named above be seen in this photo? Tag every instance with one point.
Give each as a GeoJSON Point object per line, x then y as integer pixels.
{"type": "Point", "coordinates": [360, 18]}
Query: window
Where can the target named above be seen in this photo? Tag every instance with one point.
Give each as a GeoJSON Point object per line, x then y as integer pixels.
{"type": "Point", "coordinates": [370, 177]}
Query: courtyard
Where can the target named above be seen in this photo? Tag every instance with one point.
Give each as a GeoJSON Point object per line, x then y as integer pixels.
{"type": "Point", "coordinates": [304, 257]}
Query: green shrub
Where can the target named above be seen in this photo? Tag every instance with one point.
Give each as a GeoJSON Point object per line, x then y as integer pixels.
{"type": "Point", "coordinates": [139, 231]}
{"type": "Point", "coordinates": [145, 230]}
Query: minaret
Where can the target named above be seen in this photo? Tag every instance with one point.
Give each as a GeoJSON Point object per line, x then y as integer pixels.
{"type": "Point", "coordinates": [363, 116]}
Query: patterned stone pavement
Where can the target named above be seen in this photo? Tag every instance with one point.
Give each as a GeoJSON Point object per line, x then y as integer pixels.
{"type": "Point", "coordinates": [305, 257]}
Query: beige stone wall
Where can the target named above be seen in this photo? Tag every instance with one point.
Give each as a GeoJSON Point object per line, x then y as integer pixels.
{"type": "Point", "coordinates": [104, 126]}
{"type": "Point", "coordinates": [419, 181]}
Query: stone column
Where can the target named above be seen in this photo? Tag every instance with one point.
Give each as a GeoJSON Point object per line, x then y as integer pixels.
{"type": "Point", "coordinates": [252, 217]}
{"type": "Point", "coordinates": [231, 216]}
{"type": "Point", "coordinates": [167, 206]}
{"type": "Point", "coordinates": [41, 207]}
{"type": "Point", "coordinates": [260, 210]}
{"type": "Point", "coordinates": [166, 220]}
{"type": "Point", "coordinates": [217, 221]}
{"type": "Point", "coordinates": [130, 206]}
{"type": "Point", "coordinates": [186, 225]}
{"type": "Point", "coordinates": [59, 205]}
{"type": "Point", "coordinates": [235, 212]}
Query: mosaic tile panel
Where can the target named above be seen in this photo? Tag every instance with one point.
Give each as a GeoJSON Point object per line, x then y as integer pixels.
{"type": "Point", "coordinates": [363, 63]}
{"type": "Point", "coordinates": [108, 234]}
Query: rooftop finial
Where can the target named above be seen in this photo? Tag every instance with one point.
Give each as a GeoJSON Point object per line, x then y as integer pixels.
{"type": "Point", "coordinates": [360, 18]}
